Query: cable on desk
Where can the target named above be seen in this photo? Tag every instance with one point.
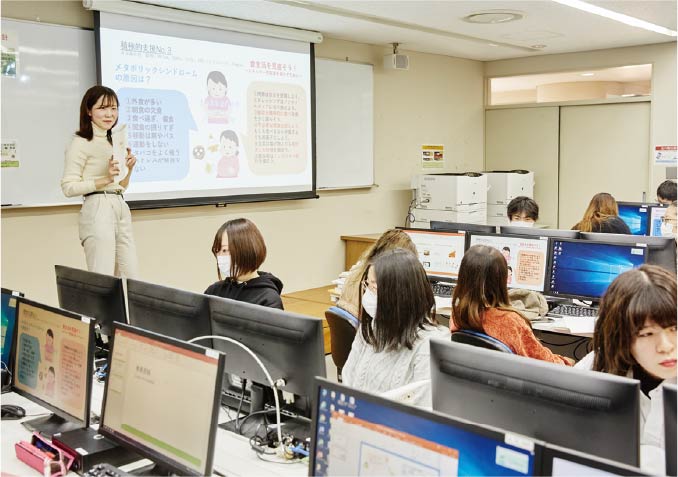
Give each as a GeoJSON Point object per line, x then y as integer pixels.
{"type": "Point", "coordinates": [562, 344]}
{"type": "Point", "coordinates": [584, 341]}
{"type": "Point", "coordinates": [242, 398]}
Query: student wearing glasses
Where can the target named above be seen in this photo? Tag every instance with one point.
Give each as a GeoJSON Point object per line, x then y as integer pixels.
{"type": "Point", "coordinates": [397, 320]}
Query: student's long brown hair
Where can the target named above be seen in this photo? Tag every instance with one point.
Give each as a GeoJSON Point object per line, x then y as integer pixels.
{"type": "Point", "coordinates": [481, 285]}
{"type": "Point", "coordinates": [245, 245]}
{"type": "Point", "coordinates": [389, 240]}
{"type": "Point", "coordinates": [647, 293]}
{"type": "Point", "coordinates": [602, 207]}
{"type": "Point", "coordinates": [405, 301]}
{"type": "Point", "coordinates": [88, 101]}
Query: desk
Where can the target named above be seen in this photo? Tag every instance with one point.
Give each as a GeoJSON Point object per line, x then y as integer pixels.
{"type": "Point", "coordinates": [572, 345]}
{"type": "Point", "coordinates": [311, 302]}
{"type": "Point", "coordinates": [355, 246]}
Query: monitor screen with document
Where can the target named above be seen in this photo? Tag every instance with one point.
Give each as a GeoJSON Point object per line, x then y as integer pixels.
{"type": "Point", "coordinates": [439, 252]}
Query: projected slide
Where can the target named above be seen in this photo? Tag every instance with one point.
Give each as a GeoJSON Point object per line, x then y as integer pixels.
{"type": "Point", "coordinates": [207, 118]}
{"type": "Point", "coordinates": [439, 252]}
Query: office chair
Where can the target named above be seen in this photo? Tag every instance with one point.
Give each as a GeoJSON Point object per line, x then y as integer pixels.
{"type": "Point", "coordinates": [343, 326]}
{"type": "Point", "coordinates": [475, 338]}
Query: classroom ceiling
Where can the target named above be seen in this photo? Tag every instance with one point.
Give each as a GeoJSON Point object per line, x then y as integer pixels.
{"type": "Point", "coordinates": [546, 27]}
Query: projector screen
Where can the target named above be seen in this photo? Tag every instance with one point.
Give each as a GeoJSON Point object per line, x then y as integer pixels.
{"type": "Point", "coordinates": [212, 116]}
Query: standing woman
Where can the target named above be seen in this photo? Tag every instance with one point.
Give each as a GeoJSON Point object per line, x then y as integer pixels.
{"type": "Point", "coordinates": [105, 222]}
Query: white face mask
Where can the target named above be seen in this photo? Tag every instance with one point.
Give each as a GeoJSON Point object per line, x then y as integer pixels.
{"type": "Point", "coordinates": [522, 223]}
{"type": "Point", "coordinates": [370, 302]}
{"type": "Point", "coordinates": [224, 262]}
{"type": "Point", "coordinates": [667, 230]}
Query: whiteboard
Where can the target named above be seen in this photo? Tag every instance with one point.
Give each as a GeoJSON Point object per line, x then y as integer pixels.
{"type": "Point", "coordinates": [40, 107]}
{"type": "Point", "coordinates": [57, 64]}
{"type": "Point", "coordinates": [344, 124]}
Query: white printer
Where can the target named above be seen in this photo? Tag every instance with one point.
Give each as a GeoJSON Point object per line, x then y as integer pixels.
{"type": "Point", "coordinates": [504, 186]}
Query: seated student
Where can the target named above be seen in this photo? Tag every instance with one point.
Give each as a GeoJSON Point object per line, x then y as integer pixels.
{"type": "Point", "coordinates": [391, 348]}
{"type": "Point", "coordinates": [670, 220]}
{"type": "Point", "coordinates": [635, 336]}
{"type": "Point", "coordinates": [667, 192]}
{"type": "Point", "coordinates": [522, 211]}
{"type": "Point", "coordinates": [480, 302]}
{"type": "Point", "coordinates": [602, 215]}
{"type": "Point", "coordinates": [240, 250]}
{"type": "Point", "coordinates": [350, 293]}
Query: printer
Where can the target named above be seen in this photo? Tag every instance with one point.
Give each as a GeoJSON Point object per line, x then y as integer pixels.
{"type": "Point", "coordinates": [503, 187]}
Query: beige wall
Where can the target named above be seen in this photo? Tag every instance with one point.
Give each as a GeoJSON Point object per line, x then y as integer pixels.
{"type": "Point", "coordinates": [663, 107]}
{"type": "Point", "coordinates": [439, 100]}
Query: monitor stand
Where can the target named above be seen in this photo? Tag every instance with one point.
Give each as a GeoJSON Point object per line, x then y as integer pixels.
{"type": "Point", "coordinates": [256, 405]}
{"type": "Point", "coordinates": [152, 469]}
{"type": "Point", "coordinates": [50, 425]}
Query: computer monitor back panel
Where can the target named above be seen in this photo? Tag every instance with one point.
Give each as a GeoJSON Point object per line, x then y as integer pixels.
{"type": "Point", "coordinates": [53, 356]}
{"type": "Point", "coordinates": [537, 232]}
{"type": "Point", "coordinates": [657, 213]}
{"type": "Point", "coordinates": [176, 313]}
{"type": "Point", "coordinates": [457, 226]}
{"type": "Point", "coordinates": [439, 252]}
{"type": "Point", "coordinates": [291, 346]}
{"type": "Point", "coordinates": [596, 413]}
{"type": "Point", "coordinates": [669, 401]}
{"type": "Point", "coordinates": [9, 304]}
{"type": "Point", "coordinates": [661, 251]}
{"type": "Point", "coordinates": [92, 294]}
{"type": "Point", "coordinates": [584, 269]}
{"type": "Point", "coordinates": [527, 258]}
{"type": "Point", "coordinates": [635, 215]}
{"type": "Point", "coordinates": [356, 433]}
{"type": "Point", "coordinates": [162, 399]}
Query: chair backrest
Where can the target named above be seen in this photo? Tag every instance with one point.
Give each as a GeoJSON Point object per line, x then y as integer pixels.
{"type": "Point", "coordinates": [475, 338]}
{"type": "Point", "coordinates": [343, 326]}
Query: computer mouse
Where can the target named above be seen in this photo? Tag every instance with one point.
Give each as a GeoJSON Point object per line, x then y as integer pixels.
{"type": "Point", "coordinates": [11, 412]}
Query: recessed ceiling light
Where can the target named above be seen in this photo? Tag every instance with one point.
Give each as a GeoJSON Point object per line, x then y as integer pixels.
{"type": "Point", "coordinates": [492, 44]}
{"type": "Point", "coordinates": [538, 47]}
{"type": "Point", "coordinates": [587, 74]}
{"type": "Point", "coordinates": [490, 17]}
{"type": "Point", "coordinates": [628, 95]}
{"type": "Point", "coordinates": [619, 17]}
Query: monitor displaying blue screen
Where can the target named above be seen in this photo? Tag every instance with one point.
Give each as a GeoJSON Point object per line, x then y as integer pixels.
{"type": "Point", "coordinates": [585, 269]}
{"type": "Point", "coordinates": [358, 434]}
{"type": "Point", "coordinates": [635, 216]}
{"type": "Point", "coordinates": [8, 321]}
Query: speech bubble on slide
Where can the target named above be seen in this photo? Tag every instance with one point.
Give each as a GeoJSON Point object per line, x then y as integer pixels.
{"type": "Point", "coordinates": [29, 359]}
{"type": "Point", "coordinates": [158, 124]}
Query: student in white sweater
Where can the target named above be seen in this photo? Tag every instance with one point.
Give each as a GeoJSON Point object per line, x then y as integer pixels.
{"type": "Point", "coordinates": [105, 223]}
{"type": "Point", "coordinates": [635, 336]}
{"type": "Point", "coordinates": [391, 348]}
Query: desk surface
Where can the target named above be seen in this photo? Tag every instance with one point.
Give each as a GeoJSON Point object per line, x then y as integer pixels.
{"type": "Point", "coordinates": [362, 237]}
{"type": "Point", "coordinates": [317, 295]}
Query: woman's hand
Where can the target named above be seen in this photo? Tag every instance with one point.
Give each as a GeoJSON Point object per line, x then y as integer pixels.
{"type": "Point", "coordinates": [130, 161]}
{"type": "Point", "coordinates": [113, 170]}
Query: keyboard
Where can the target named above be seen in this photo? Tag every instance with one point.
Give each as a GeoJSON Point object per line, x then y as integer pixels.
{"type": "Point", "coordinates": [442, 289]}
{"type": "Point", "coordinates": [574, 310]}
{"type": "Point", "coordinates": [105, 470]}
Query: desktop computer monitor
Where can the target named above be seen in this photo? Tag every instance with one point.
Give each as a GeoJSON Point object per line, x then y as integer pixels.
{"type": "Point", "coordinates": [584, 269]}
{"type": "Point", "coordinates": [439, 252]}
{"type": "Point", "coordinates": [356, 433]}
{"type": "Point", "coordinates": [457, 226]}
{"type": "Point", "coordinates": [536, 232]}
{"type": "Point", "coordinates": [161, 400]}
{"type": "Point", "coordinates": [9, 302]}
{"type": "Point", "coordinates": [635, 215]}
{"type": "Point", "coordinates": [527, 258]}
{"type": "Point", "coordinates": [669, 400]}
{"type": "Point", "coordinates": [592, 412]}
{"type": "Point", "coordinates": [654, 226]}
{"type": "Point", "coordinates": [562, 462]}
{"type": "Point", "coordinates": [661, 251]}
{"type": "Point", "coordinates": [176, 313]}
{"type": "Point", "coordinates": [52, 364]}
{"type": "Point", "coordinates": [92, 294]}
{"type": "Point", "coordinates": [290, 346]}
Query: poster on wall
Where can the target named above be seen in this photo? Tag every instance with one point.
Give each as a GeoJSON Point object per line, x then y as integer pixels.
{"type": "Point", "coordinates": [665, 155]}
{"type": "Point", "coordinates": [9, 156]}
{"type": "Point", "coordinates": [432, 156]}
{"type": "Point", "coordinates": [8, 65]}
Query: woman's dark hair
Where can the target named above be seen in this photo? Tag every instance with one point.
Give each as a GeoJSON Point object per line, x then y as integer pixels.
{"type": "Point", "coordinates": [88, 101]}
{"type": "Point", "coordinates": [245, 245]}
{"type": "Point", "coordinates": [523, 205]}
{"type": "Point", "coordinates": [50, 333]}
{"type": "Point", "coordinates": [217, 77]}
{"type": "Point", "coordinates": [646, 293]}
{"type": "Point", "coordinates": [231, 136]}
{"type": "Point", "coordinates": [481, 284]}
{"type": "Point", "coordinates": [405, 301]}
{"type": "Point", "coordinates": [601, 208]}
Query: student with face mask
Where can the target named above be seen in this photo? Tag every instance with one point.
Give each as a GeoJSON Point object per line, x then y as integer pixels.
{"type": "Point", "coordinates": [240, 250]}
{"type": "Point", "coordinates": [669, 221]}
{"type": "Point", "coordinates": [522, 212]}
{"type": "Point", "coordinates": [391, 348]}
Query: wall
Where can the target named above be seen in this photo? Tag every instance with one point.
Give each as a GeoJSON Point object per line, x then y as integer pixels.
{"type": "Point", "coordinates": [439, 100]}
{"type": "Point", "coordinates": [663, 107]}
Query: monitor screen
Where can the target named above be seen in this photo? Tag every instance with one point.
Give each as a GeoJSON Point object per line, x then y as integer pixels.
{"type": "Point", "coordinates": [660, 250]}
{"type": "Point", "coordinates": [562, 462]}
{"type": "Point", "coordinates": [584, 269]}
{"type": "Point", "coordinates": [655, 225]}
{"type": "Point", "coordinates": [9, 303]}
{"type": "Point", "coordinates": [91, 294]}
{"type": "Point", "coordinates": [526, 257]}
{"type": "Point", "coordinates": [439, 252]}
{"type": "Point", "coordinates": [355, 433]}
{"type": "Point", "coordinates": [592, 412]}
{"type": "Point", "coordinates": [635, 215]}
{"type": "Point", "coordinates": [162, 399]}
{"type": "Point", "coordinates": [52, 364]}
